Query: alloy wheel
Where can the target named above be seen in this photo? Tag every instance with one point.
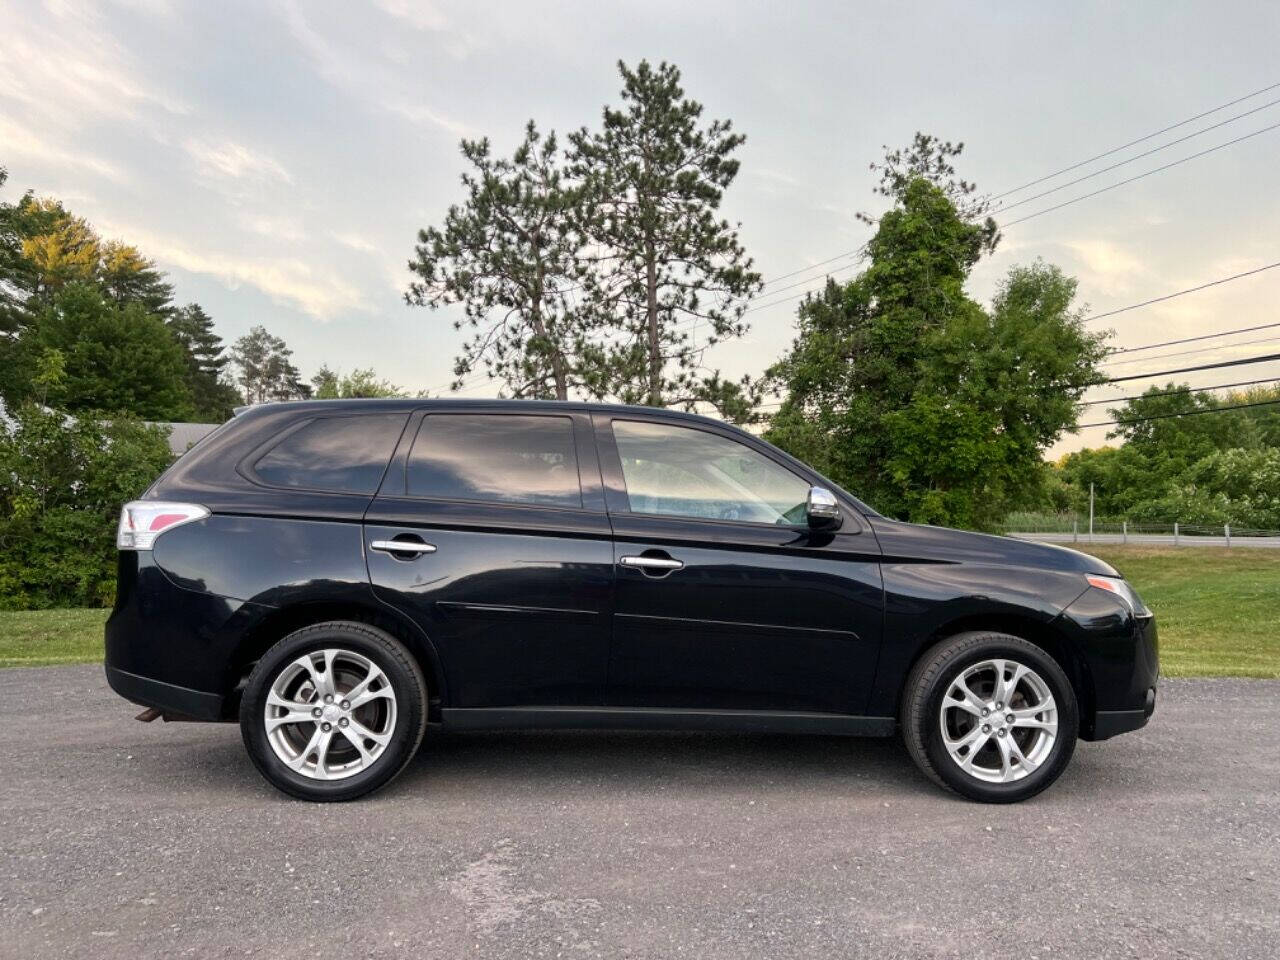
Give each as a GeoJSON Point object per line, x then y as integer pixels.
{"type": "Point", "coordinates": [999, 720]}
{"type": "Point", "coordinates": [330, 714]}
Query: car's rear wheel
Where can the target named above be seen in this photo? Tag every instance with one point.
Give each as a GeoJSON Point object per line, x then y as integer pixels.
{"type": "Point", "coordinates": [334, 711]}
{"type": "Point", "coordinates": [991, 716]}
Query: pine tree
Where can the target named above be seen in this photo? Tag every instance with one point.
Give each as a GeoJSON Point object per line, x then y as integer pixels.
{"type": "Point", "coordinates": [264, 370]}
{"type": "Point", "coordinates": [509, 255]}
{"type": "Point", "coordinates": [129, 277]}
{"type": "Point", "coordinates": [207, 362]}
{"type": "Point", "coordinates": [671, 277]}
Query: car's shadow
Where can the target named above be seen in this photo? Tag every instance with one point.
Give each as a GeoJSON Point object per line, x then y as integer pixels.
{"type": "Point", "coordinates": [647, 760]}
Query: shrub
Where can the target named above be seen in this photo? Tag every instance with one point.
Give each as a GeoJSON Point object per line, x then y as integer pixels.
{"type": "Point", "coordinates": [62, 483]}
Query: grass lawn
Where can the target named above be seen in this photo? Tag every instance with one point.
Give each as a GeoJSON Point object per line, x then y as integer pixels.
{"type": "Point", "coordinates": [1218, 611]}
{"type": "Point", "coordinates": [38, 638]}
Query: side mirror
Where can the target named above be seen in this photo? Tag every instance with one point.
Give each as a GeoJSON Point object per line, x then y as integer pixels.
{"type": "Point", "coordinates": [822, 509]}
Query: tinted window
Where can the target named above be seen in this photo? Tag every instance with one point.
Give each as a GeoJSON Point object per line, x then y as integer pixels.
{"type": "Point", "coordinates": [691, 473]}
{"type": "Point", "coordinates": [346, 454]}
{"type": "Point", "coordinates": [518, 459]}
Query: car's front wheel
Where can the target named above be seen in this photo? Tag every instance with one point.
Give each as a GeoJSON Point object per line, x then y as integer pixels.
{"type": "Point", "coordinates": [991, 716]}
{"type": "Point", "coordinates": [334, 711]}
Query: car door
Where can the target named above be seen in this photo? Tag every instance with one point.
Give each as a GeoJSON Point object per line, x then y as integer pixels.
{"type": "Point", "coordinates": [725, 598]}
{"type": "Point", "coordinates": [489, 530]}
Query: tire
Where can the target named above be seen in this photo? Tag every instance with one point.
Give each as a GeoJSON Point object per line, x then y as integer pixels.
{"type": "Point", "coordinates": [366, 744]}
{"type": "Point", "coordinates": [1011, 762]}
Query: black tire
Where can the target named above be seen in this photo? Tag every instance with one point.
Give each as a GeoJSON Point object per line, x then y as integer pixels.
{"type": "Point", "coordinates": [410, 720]}
{"type": "Point", "coordinates": [922, 704]}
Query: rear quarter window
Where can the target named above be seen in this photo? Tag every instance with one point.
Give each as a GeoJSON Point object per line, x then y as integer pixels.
{"type": "Point", "coordinates": [338, 454]}
{"type": "Point", "coordinates": [498, 458]}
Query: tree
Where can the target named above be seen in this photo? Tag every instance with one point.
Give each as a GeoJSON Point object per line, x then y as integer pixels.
{"type": "Point", "coordinates": [115, 358]}
{"type": "Point", "coordinates": [264, 371]}
{"type": "Point", "coordinates": [129, 277]}
{"type": "Point", "coordinates": [906, 390]}
{"type": "Point", "coordinates": [331, 385]}
{"type": "Point", "coordinates": [929, 158]}
{"type": "Point", "coordinates": [510, 256]}
{"type": "Point", "coordinates": [63, 249]}
{"type": "Point", "coordinates": [212, 395]}
{"type": "Point", "coordinates": [671, 277]}
{"type": "Point", "coordinates": [1170, 444]}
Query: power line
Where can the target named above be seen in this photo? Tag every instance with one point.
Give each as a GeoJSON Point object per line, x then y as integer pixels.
{"type": "Point", "coordinates": [1135, 157]}
{"type": "Point", "coordinates": [1133, 143]}
{"type": "Point", "coordinates": [1188, 353]}
{"type": "Point", "coordinates": [1140, 176]}
{"type": "Point", "coordinates": [1159, 373]}
{"type": "Point", "coordinates": [1180, 293]}
{"type": "Point", "coordinates": [1204, 366]}
{"type": "Point", "coordinates": [1170, 393]}
{"type": "Point", "coordinates": [798, 283]}
{"type": "Point", "coordinates": [1082, 163]}
{"type": "Point", "coordinates": [1185, 413]}
{"type": "Point", "coordinates": [812, 266]}
{"type": "Point", "coordinates": [1207, 336]}
{"type": "Point", "coordinates": [802, 293]}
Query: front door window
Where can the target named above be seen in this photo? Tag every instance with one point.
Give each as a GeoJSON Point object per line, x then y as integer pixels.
{"type": "Point", "coordinates": [684, 472]}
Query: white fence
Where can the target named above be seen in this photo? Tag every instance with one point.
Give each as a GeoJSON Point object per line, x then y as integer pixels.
{"type": "Point", "coordinates": [1164, 534]}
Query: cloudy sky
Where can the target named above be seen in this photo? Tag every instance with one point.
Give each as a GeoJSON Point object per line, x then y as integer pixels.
{"type": "Point", "coordinates": [277, 157]}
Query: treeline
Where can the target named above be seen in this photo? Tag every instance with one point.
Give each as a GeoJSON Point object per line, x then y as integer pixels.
{"type": "Point", "coordinates": [1178, 462]}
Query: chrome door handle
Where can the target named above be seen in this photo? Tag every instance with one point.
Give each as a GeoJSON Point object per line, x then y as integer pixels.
{"type": "Point", "coordinates": [402, 546]}
{"type": "Point", "coordinates": [651, 563]}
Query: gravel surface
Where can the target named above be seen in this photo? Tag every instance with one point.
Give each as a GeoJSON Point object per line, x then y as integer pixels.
{"type": "Point", "coordinates": [119, 839]}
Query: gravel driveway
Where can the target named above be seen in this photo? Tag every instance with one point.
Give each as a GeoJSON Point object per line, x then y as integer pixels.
{"type": "Point", "coordinates": [119, 839]}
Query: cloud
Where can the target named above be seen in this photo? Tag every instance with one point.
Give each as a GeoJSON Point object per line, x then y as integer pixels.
{"type": "Point", "coordinates": [277, 228]}
{"type": "Point", "coordinates": [234, 161]}
{"type": "Point", "coordinates": [355, 242]}
{"type": "Point", "coordinates": [416, 13]}
{"type": "Point", "coordinates": [365, 78]}
{"type": "Point", "coordinates": [424, 116]}
{"type": "Point", "coordinates": [1109, 268]}
{"type": "Point", "coordinates": [20, 141]}
{"type": "Point", "coordinates": [72, 69]}
{"type": "Point", "coordinates": [285, 280]}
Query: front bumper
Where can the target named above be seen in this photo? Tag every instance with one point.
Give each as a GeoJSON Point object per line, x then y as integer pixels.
{"type": "Point", "coordinates": [1121, 657]}
{"type": "Point", "coordinates": [1110, 723]}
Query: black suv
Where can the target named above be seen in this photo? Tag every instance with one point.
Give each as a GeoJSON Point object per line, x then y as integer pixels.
{"type": "Point", "coordinates": [339, 574]}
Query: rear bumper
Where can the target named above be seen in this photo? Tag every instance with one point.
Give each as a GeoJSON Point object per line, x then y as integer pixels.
{"type": "Point", "coordinates": [169, 647]}
{"type": "Point", "coordinates": [167, 697]}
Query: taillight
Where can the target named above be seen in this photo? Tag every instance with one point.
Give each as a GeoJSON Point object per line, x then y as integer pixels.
{"type": "Point", "coordinates": [141, 521]}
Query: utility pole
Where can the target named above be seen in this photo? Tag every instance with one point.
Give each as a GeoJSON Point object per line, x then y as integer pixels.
{"type": "Point", "coordinates": [1091, 511]}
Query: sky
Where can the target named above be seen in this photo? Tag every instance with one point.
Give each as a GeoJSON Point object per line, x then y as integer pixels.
{"type": "Point", "coordinates": [277, 157]}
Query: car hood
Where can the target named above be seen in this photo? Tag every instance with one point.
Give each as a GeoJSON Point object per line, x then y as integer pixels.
{"type": "Point", "coordinates": [914, 541]}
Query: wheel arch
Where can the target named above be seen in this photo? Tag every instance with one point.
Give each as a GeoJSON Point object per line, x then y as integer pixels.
{"type": "Point", "coordinates": [1044, 635]}
{"type": "Point", "coordinates": [282, 621]}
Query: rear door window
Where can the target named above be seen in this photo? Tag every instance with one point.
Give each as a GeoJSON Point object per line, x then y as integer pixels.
{"type": "Point", "coordinates": [500, 458]}
{"type": "Point", "coordinates": [339, 454]}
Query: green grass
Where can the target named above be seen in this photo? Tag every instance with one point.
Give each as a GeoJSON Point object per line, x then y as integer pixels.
{"type": "Point", "coordinates": [1218, 611]}
{"type": "Point", "coordinates": [38, 638]}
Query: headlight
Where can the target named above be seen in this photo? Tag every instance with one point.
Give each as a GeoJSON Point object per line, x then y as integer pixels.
{"type": "Point", "coordinates": [1120, 587]}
